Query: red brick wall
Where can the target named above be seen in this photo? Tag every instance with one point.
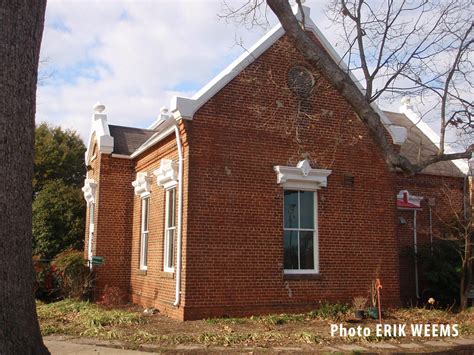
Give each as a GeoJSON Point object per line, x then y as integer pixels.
{"type": "Point", "coordinates": [234, 233]}
{"type": "Point", "coordinates": [154, 287]}
{"type": "Point", "coordinates": [113, 222]}
{"type": "Point", "coordinates": [447, 193]}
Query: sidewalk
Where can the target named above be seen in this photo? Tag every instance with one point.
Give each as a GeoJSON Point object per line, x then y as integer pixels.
{"type": "Point", "coordinates": [59, 345]}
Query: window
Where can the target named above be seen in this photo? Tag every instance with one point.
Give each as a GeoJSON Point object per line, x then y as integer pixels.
{"type": "Point", "coordinates": [170, 228]}
{"type": "Point", "coordinates": [144, 233]}
{"type": "Point", "coordinates": [300, 233]}
{"type": "Point", "coordinates": [91, 232]}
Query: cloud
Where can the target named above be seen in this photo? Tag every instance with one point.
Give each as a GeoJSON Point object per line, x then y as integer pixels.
{"type": "Point", "coordinates": [132, 56]}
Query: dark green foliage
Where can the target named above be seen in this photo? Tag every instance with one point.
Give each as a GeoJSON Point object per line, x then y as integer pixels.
{"type": "Point", "coordinates": [59, 155]}
{"type": "Point", "coordinates": [440, 271]}
{"type": "Point", "coordinates": [58, 205]}
{"type": "Point", "coordinates": [58, 219]}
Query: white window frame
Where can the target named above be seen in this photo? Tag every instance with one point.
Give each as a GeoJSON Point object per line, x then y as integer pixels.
{"type": "Point", "coordinates": [91, 232]}
{"type": "Point", "coordinates": [170, 231]}
{"type": "Point", "coordinates": [299, 271]}
{"type": "Point", "coordinates": [144, 232]}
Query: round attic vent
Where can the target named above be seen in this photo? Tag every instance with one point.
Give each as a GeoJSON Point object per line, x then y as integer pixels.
{"type": "Point", "coordinates": [300, 81]}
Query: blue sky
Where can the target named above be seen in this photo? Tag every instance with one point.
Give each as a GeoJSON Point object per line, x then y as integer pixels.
{"type": "Point", "coordinates": [133, 56]}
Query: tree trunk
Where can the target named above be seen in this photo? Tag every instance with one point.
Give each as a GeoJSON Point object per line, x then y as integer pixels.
{"type": "Point", "coordinates": [21, 29]}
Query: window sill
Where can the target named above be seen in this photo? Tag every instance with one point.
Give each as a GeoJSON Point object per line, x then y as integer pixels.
{"type": "Point", "coordinates": [302, 276]}
{"type": "Point", "coordinates": [166, 275]}
{"type": "Point", "coordinates": [141, 272]}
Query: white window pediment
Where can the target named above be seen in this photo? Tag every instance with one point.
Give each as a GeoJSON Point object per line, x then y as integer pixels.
{"type": "Point", "coordinates": [167, 174]}
{"type": "Point", "coordinates": [142, 184]}
{"type": "Point", "coordinates": [89, 189]}
{"type": "Point", "coordinates": [301, 177]}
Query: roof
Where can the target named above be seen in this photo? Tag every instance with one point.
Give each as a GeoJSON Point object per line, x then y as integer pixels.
{"type": "Point", "coordinates": [418, 147]}
{"type": "Point", "coordinates": [128, 139]}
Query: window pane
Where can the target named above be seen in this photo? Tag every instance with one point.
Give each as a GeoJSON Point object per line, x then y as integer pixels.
{"type": "Point", "coordinates": [170, 250]}
{"type": "Point", "coordinates": [171, 208]}
{"type": "Point", "coordinates": [291, 250]}
{"type": "Point", "coordinates": [145, 214]}
{"type": "Point", "coordinates": [291, 209]}
{"type": "Point", "coordinates": [145, 249]}
{"type": "Point", "coordinates": [307, 209]}
{"type": "Point", "coordinates": [91, 213]}
{"type": "Point", "coordinates": [306, 250]}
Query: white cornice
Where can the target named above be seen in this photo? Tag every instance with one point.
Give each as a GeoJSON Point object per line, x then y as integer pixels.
{"type": "Point", "coordinates": [301, 177]}
{"type": "Point", "coordinates": [142, 184]}
{"type": "Point", "coordinates": [167, 174]}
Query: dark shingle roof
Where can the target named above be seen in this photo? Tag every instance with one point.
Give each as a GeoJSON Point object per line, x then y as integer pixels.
{"type": "Point", "coordinates": [128, 139]}
{"type": "Point", "coordinates": [418, 147]}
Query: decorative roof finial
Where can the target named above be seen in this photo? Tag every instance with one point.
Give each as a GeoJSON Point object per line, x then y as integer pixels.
{"type": "Point", "coordinates": [163, 110]}
{"type": "Point", "coordinates": [98, 107]}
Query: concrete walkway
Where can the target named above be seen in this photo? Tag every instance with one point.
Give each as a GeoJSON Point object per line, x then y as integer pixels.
{"type": "Point", "coordinates": [59, 345]}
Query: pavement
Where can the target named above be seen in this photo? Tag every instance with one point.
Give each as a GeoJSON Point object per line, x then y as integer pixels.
{"type": "Point", "coordinates": [63, 345]}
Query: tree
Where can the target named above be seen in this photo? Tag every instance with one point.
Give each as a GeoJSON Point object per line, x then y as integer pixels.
{"type": "Point", "coordinates": [398, 55]}
{"type": "Point", "coordinates": [59, 154]}
{"type": "Point", "coordinates": [58, 219]}
{"type": "Point", "coordinates": [21, 29]}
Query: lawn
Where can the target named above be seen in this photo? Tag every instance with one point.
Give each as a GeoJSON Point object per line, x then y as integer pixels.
{"type": "Point", "coordinates": [129, 324]}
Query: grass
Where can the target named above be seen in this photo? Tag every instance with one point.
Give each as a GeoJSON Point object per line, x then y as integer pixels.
{"type": "Point", "coordinates": [130, 326]}
{"type": "Point", "coordinates": [83, 318]}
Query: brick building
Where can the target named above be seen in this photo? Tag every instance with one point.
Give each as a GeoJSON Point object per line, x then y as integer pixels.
{"type": "Point", "coordinates": [262, 193]}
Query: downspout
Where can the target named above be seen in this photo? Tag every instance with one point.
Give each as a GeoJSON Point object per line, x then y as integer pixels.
{"type": "Point", "coordinates": [415, 247]}
{"type": "Point", "coordinates": [180, 214]}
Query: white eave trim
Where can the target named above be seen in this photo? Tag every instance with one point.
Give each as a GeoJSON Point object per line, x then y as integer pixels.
{"type": "Point", "coordinates": [301, 177]}
{"type": "Point", "coordinates": [164, 128]}
{"type": "Point", "coordinates": [407, 110]}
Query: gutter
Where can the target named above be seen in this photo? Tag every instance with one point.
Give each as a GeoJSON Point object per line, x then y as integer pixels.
{"type": "Point", "coordinates": [180, 215]}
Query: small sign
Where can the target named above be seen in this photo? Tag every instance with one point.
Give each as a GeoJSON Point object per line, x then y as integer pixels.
{"type": "Point", "coordinates": [470, 293]}
{"type": "Point", "coordinates": [97, 260]}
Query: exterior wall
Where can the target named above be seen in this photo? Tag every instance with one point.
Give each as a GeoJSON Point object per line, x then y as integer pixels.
{"type": "Point", "coordinates": [154, 287]}
{"type": "Point", "coordinates": [112, 239]}
{"type": "Point", "coordinates": [447, 194]}
{"type": "Point", "coordinates": [235, 208]}
{"type": "Point", "coordinates": [93, 172]}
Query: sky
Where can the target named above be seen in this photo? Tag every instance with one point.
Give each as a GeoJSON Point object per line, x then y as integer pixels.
{"type": "Point", "coordinates": [133, 56]}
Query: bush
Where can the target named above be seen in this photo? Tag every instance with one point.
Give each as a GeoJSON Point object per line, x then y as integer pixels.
{"type": "Point", "coordinates": [46, 280]}
{"type": "Point", "coordinates": [75, 278]}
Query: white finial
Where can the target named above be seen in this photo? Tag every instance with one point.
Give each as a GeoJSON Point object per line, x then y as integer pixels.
{"type": "Point", "coordinates": [406, 104]}
{"type": "Point", "coordinates": [98, 107]}
{"type": "Point", "coordinates": [163, 110]}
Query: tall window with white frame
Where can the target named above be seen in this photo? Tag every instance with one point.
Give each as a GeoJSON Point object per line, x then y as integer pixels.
{"type": "Point", "coordinates": [170, 228]}
{"type": "Point", "coordinates": [300, 232]}
{"type": "Point", "coordinates": [144, 233]}
{"type": "Point", "coordinates": [91, 232]}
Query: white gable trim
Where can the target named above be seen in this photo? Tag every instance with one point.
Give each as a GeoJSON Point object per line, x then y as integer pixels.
{"type": "Point", "coordinates": [105, 142]}
{"type": "Point", "coordinates": [167, 174]}
{"type": "Point", "coordinates": [142, 184]}
{"type": "Point", "coordinates": [89, 190]}
{"type": "Point", "coordinates": [407, 109]}
{"type": "Point", "coordinates": [185, 108]}
{"type": "Point", "coordinates": [301, 177]}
